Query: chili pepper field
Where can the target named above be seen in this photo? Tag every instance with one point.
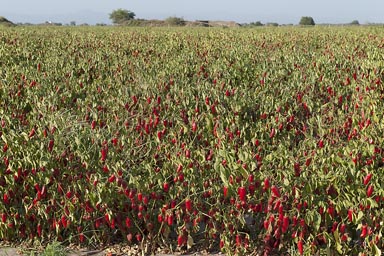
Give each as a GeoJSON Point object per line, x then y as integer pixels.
{"type": "Point", "coordinates": [267, 141]}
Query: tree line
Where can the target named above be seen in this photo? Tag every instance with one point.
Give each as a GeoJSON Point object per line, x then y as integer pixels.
{"type": "Point", "coordinates": [127, 17]}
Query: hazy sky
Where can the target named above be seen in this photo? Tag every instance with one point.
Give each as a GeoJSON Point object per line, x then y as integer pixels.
{"type": "Point", "coordinates": [281, 11]}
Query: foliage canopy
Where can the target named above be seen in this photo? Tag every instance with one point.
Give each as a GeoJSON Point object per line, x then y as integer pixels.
{"type": "Point", "coordinates": [307, 21]}
{"type": "Point", "coordinates": [121, 16]}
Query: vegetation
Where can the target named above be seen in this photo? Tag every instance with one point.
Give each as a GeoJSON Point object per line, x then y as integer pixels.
{"type": "Point", "coordinates": [121, 16]}
{"type": "Point", "coordinates": [272, 24]}
{"type": "Point", "coordinates": [175, 21]}
{"type": "Point", "coordinates": [256, 24]}
{"type": "Point", "coordinates": [307, 21]}
{"type": "Point", "coordinates": [251, 141]}
{"type": "Point", "coordinates": [51, 249]}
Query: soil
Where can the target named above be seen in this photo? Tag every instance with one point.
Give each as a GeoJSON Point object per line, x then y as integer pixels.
{"type": "Point", "coordinates": [114, 250]}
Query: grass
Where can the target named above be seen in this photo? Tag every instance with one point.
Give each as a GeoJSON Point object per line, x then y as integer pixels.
{"type": "Point", "coordinates": [52, 249]}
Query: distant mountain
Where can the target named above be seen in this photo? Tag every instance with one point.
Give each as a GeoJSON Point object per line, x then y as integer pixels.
{"type": "Point", "coordinates": [80, 17]}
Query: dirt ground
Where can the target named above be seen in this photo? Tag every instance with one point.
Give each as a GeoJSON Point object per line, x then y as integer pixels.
{"type": "Point", "coordinates": [8, 249]}
{"type": "Point", "coordinates": [12, 251]}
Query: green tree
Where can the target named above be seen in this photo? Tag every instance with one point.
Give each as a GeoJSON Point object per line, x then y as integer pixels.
{"type": "Point", "coordinates": [256, 24]}
{"type": "Point", "coordinates": [120, 16]}
{"type": "Point", "coordinates": [307, 21]}
{"type": "Point", "coordinates": [355, 22]}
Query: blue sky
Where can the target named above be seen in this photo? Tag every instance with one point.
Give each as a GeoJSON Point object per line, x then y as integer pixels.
{"type": "Point", "coordinates": [281, 11]}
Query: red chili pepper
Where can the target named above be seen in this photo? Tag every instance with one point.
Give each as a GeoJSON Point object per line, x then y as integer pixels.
{"type": "Point", "coordinates": [64, 221]}
{"type": "Point", "coordinates": [50, 145]}
{"type": "Point", "coordinates": [275, 191]}
{"type": "Point", "coordinates": [364, 231]}
{"type": "Point", "coordinates": [238, 240]}
{"type": "Point", "coordinates": [342, 228]}
{"type": "Point", "coordinates": [166, 187]}
{"type": "Point", "coordinates": [272, 133]}
{"type": "Point", "coordinates": [6, 198]}
{"type": "Point", "coordinates": [266, 183]}
{"type": "Point", "coordinates": [180, 240]}
{"type": "Point", "coordinates": [370, 190]}
{"type": "Point", "coordinates": [104, 152]}
{"type": "Point", "coordinates": [160, 218]}
{"type": "Point", "coordinates": [170, 220]}
{"type": "Point", "coordinates": [285, 224]}
{"type": "Point", "coordinates": [242, 193]}
{"type": "Point", "coordinates": [112, 178]}
{"type": "Point", "coordinates": [367, 179]}
{"type": "Point", "coordinates": [128, 222]}
{"type": "Point", "coordinates": [300, 247]}
{"type": "Point", "coordinates": [225, 191]}
{"type": "Point", "coordinates": [350, 212]}
{"type": "Point", "coordinates": [3, 217]}
{"type": "Point", "coordinates": [188, 205]}
{"type": "Point", "coordinates": [32, 133]}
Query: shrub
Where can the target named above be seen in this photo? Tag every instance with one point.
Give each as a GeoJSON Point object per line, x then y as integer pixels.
{"type": "Point", "coordinates": [175, 21]}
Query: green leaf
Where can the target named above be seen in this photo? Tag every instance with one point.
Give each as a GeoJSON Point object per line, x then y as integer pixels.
{"type": "Point", "coordinates": [376, 250]}
{"type": "Point", "coordinates": [372, 203]}
{"type": "Point", "coordinates": [375, 118]}
{"type": "Point", "coordinates": [77, 141]}
{"type": "Point", "coordinates": [316, 221]}
{"type": "Point", "coordinates": [309, 218]}
{"type": "Point", "coordinates": [223, 175]}
{"type": "Point", "coordinates": [4, 139]}
{"type": "Point", "coordinates": [337, 240]}
{"type": "Point", "coordinates": [339, 160]}
{"type": "Point", "coordinates": [243, 172]}
{"type": "Point", "coordinates": [360, 215]}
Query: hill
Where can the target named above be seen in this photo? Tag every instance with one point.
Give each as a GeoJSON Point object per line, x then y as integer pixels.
{"type": "Point", "coordinates": [5, 22]}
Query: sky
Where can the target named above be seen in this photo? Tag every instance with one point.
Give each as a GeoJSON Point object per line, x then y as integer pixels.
{"type": "Point", "coordinates": [241, 11]}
